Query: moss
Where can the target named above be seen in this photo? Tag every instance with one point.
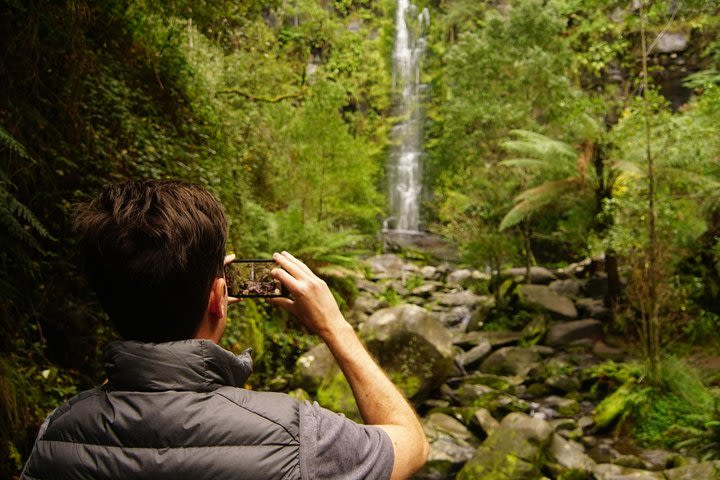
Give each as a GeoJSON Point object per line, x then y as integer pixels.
{"type": "Point", "coordinates": [335, 394]}
{"type": "Point", "coordinates": [615, 406]}
{"type": "Point", "coordinates": [408, 383]}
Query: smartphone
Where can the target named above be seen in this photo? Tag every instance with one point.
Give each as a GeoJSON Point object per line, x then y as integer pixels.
{"type": "Point", "coordinates": [251, 279]}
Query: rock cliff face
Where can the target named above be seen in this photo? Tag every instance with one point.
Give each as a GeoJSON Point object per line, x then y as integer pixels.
{"type": "Point", "coordinates": [510, 403]}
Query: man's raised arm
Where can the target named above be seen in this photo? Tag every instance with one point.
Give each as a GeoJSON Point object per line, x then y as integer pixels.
{"type": "Point", "coordinates": [380, 403]}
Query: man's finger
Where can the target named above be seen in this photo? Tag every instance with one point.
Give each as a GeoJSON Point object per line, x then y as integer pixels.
{"type": "Point", "coordinates": [292, 268]}
{"type": "Point", "coordinates": [283, 302]}
{"type": "Point", "coordinates": [298, 262]}
{"type": "Point", "coordinates": [286, 279]}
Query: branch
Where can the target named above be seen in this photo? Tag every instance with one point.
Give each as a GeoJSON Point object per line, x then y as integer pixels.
{"type": "Point", "coordinates": [257, 98]}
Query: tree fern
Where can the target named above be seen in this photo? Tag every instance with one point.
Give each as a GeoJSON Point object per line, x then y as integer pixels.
{"type": "Point", "coordinates": [19, 221]}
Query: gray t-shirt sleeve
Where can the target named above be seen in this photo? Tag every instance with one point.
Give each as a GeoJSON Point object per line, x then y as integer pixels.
{"type": "Point", "coordinates": [334, 447]}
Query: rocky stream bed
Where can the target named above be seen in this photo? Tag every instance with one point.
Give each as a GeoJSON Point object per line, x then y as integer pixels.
{"type": "Point", "coordinates": [496, 404]}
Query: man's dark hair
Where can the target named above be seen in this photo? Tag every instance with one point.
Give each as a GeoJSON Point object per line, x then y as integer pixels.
{"type": "Point", "coordinates": [151, 250]}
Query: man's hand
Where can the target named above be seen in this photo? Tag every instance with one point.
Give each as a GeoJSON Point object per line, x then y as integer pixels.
{"type": "Point", "coordinates": [312, 303]}
{"type": "Point", "coordinates": [379, 401]}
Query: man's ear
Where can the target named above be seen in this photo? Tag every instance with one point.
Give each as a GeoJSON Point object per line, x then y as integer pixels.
{"type": "Point", "coordinates": [217, 302]}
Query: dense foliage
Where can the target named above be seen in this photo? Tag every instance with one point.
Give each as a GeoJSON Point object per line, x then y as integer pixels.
{"type": "Point", "coordinates": [536, 140]}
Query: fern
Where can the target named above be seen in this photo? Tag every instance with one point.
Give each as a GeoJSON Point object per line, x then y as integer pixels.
{"type": "Point", "coordinates": [17, 218]}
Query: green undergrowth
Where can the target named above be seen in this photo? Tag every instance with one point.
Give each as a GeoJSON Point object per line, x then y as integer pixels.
{"type": "Point", "coordinates": [680, 414]}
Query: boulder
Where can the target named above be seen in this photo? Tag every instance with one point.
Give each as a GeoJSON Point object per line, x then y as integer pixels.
{"type": "Point", "coordinates": [411, 346]}
{"type": "Point", "coordinates": [593, 308]}
{"type": "Point", "coordinates": [672, 42]}
{"type": "Point", "coordinates": [608, 471]}
{"type": "Point", "coordinates": [569, 455]}
{"type": "Point", "coordinates": [316, 371]}
{"type": "Point", "coordinates": [475, 355]}
{"type": "Point", "coordinates": [368, 304]}
{"type": "Point", "coordinates": [386, 266]}
{"type": "Point", "coordinates": [496, 402]}
{"type": "Point", "coordinates": [538, 275]}
{"type": "Point", "coordinates": [704, 470]}
{"type": "Point", "coordinates": [565, 333]}
{"type": "Point", "coordinates": [543, 297]}
{"type": "Point", "coordinates": [429, 272]}
{"type": "Point", "coordinates": [460, 298]}
{"type": "Point", "coordinates": [368, 286]}
{"type": "Point", "coordinates": [455, 316]}
{"type": "Point", "coordinates": [495, 338]}
{"type": "Point", "coordinates": [457, 277]}
{"type": "Point", "coordinates": [314, 366]}
{"type": "Point", "coordinates": [484, 419]}
{"type": "Point", "coordinates": [514, 451]}
{"type": "Point", "coordinates": [451, 443]}
{"type": "Point", "coordinates": [568, 287]}
{"type": "Point", "coordinates": [426, 289]}
{"type": "Point", "coordinates": [511, 361]}
{"type": "Point", "coordinates": [606, 352]}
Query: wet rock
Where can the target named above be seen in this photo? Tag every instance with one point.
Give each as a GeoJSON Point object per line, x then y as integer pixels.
{"type": "Point", "coordinates": [498, 382]}
{"type": "Point", "coordinates": [543, 298]}
{"type": "Point", "coordinates": [456, 316]}
{"type": "Point", "coordinates": [603, 452]}
{"type": "Point", "coordinates": [511, 361]}
{"type": "Point", "coordinates": [672, 42]}
{"type": "Point", "coordinates": [569, 455]}
{"type": "Point", "coordinates": [569, 287]}
{"type": "Point", "coordinates": [314, 366]}
{"type": "Point", "coordinates": [368, 304]}
{"type": "Point", "coordinates": [426, 289]}
{"type": "Point", "coordinates": [475, 355]}
{"type": "Point", "coordinates": [386, 266]}
{"type": "Point", "coordinates": [368, 286]}
{"type": "Point", "coordinates": [606, 352]}
{"type": "Point", "coordinates": [451, 445]}
{"type": "Point", "coordinates": [514, 451]}
{"type": "Point", "coordinates": [657, 459]}
{"type": "Point", "coordinates": [593, 307]}
{"type": "Point", "coordinates": [630, 461]}
{"type": "Point", "coordinates": [535, 330]}
{"type": "Point", "coordinates": [496, 339]}
{"type": "Point", "coordinates": [496, 402]}
{"type": "Point", "coordinates": [412, 346]}
{"type": "Point", "coordinates": [703, 470]}
{"type": "Point", "coordinates": [460, 298]}
{"type": "Point", "coordinates": [565, 333]}
{"type": "Point", "coordinates": [563, 383]}
{"type": "Point", "coordinates": [538, 275]}
{"type": "Point", "coordinates": [484, 419]}
{"type": "Point", "coordinates": [606, 471]}
{"type": "Point", "coordinates": [429, 272]}
{"type": "Point", "coordinates": [566, 407]}
{"type": "Point", "coordinates": [458, 277]}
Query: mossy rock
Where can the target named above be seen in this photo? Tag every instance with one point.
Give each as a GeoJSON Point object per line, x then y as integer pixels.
{"type": "Point", "coordinates": [335, 394]}
{"type": "Point", "coordinates": [493, 465]}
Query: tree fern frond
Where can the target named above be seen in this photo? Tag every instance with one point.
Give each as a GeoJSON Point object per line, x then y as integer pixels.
{"type": "Point", "coordinates": [10, 142]}
{"type": "Point", "coordinates": [628, 168]}
{"type": "Point", "coordinates": [547, 190]}
{"type": "Point", "coordinates": [518, 213]}
{"type": "Point", "coordinates": [536, 145]}
{"type": "Point", "coordinates": [523, 162]}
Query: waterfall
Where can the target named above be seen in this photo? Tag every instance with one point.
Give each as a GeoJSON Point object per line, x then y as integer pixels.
{"type": "Point", "coordinates": [405, 163]}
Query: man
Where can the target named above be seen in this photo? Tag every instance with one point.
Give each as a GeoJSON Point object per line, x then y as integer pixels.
{"type": "Point", "coordinates": [173, 405]}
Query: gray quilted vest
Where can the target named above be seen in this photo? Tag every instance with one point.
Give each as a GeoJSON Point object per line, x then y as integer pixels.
{"type": "Point", "coordinates": [171, 411]}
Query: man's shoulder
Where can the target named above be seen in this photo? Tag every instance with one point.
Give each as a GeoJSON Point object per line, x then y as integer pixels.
{"type": "Point", "coordinates": [279, 408]}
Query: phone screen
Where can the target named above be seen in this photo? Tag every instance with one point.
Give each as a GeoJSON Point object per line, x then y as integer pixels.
{"type": "Point", "coordinates": [251, 278]}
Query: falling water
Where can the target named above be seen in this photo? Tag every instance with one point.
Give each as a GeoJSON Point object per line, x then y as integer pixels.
{"type": "Point", "coordinates": [405, 174]}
